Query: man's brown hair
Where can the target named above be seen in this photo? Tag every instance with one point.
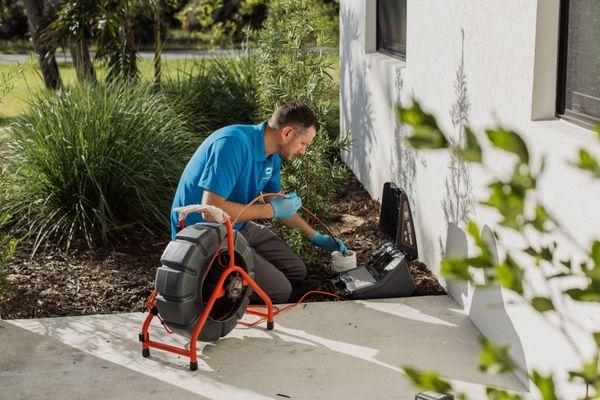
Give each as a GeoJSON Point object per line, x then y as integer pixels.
{"type": "Point", "coordinates": [296, 113]}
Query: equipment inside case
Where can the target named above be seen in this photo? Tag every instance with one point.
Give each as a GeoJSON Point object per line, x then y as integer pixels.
{"type": "Point", "coordinates": [386, 274]}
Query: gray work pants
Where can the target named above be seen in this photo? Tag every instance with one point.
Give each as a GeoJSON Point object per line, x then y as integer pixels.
{"type": "Point", "coordinates": [276, 266]}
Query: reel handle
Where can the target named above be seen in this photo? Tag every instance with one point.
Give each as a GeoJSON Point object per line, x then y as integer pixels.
{"type": "Point", "coordinates": [218, 214]}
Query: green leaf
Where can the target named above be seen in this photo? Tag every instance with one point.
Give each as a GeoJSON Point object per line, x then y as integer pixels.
{"type": "Point", "coordinates": [427, 380]}
{"type": "Point", "coordinates": [473, 230]}
{"type": "Point", "coordinates": [472, 150]}
{"type": "Point", "coordinates": [567, 264]}
{"type": "Point", "coordinates": [543, 164]}
{"type": "Point", "coordinates": [546, 254]}
{"type": "Point", "coordinates": [597, 338]}
{"type": "Point", "coordinates": [509, 141]}
{"type": "Point", "coordinates": [541, 218]}
{"type": "Point", "coordinates": [509, 200]}
{"type": "Point", "coordinates": [456, 268]}
{"type": "Point", "coordinates": [531, 251]}
{"type": "Point", "coordinates": [480, 262]}
{"type": "Point", "coordinates": [545, 385]}
{"type": "Point", "coordinates": [584, 294]}
{"type": "Point", "coordinates": [510, 275]}
{"type": "Point", "coordinates": [559, 275]}
{"type": "Point", "coordinates": [596, 253]}
{"type": "Point", "coordinates": [497, 394]}
{"type": "Point", "coordinates": [493, 358]}
{"type": "Point", "coordinates": [426, 134]}
{"type": "Point", "coordinates": [424, 138]}
{"type": "Point", "coordinates": [589, 373]}
{"type": "Point", "coordinates": [542, 304]}
{"type": "Point", "coordinates": [588, 162]}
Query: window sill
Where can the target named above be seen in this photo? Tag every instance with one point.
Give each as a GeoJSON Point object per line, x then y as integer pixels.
{"type": "Point", "coordinates": [582, 120]}
{"type": "Point", "coordinates": [583, 135]}
{"type": "Point", "coordinates": [378, 57]}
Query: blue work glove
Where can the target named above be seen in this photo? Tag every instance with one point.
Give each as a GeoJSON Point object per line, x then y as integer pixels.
{"type": "Point", "coordinates": [328, 243]}
{"type": "Point", "coordinates": [286, 207]}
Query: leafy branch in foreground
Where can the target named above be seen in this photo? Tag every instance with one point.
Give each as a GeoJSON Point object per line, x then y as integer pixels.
{"type": "Point", "coordinates": [517, 201]}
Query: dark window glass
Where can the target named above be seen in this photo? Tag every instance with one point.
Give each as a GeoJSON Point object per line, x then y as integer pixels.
{"type": "Point", "coordinates": [579, 80]}
{"type": "Point", "coordinates": [391, 26]}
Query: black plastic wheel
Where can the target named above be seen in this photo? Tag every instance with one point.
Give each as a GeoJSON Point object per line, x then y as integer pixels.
{"type": "Point", "coordinates": [182, 294]}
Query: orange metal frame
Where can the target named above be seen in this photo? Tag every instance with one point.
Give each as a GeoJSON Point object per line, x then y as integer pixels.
{"type": "Point", "coordinates": [217, 293]}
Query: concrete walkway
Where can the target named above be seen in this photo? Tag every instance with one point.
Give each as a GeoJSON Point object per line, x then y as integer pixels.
{"type": "Point", "coordinates": [336, 350]}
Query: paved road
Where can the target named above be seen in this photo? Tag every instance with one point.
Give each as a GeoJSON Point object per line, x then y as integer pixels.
{"type": "Point", "coordinates": [12, 58]}
{"type": "Point", "coordinates": [169, 55]}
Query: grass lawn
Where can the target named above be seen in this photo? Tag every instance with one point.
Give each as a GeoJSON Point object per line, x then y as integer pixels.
{"type": "Point", "coordinates": [177, 39]}
{"type": "Point", "coordinates": [30, 82]}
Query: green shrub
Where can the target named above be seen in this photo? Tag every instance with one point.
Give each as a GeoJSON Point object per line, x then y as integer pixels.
{"type": "Point", "coordinates": [90, 161]}
{"type": "Point", "coordinates": [7, 249]}
{"type": "Point", "coordinates": [13, 20]}
{"type": "Point", "coordinates": [7, 244]}
{"type": "Point", "coordinates": [289, 68]}
{"type": "Point", "coordinates": [215, 92]}
{"type": "Point", "coordinates": [220, 23]}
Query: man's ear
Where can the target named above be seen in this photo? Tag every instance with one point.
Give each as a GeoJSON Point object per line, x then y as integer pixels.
{"type": "Point", "coordinates": [286, 133]}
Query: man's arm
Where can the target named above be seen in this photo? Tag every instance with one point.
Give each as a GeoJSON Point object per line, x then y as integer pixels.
{"type": "Point", "coordinates": [296, 221]}
{"type": "Point", "coordinates": [255, 211]}
{"type": "Point", "coordinates": [318, 239]}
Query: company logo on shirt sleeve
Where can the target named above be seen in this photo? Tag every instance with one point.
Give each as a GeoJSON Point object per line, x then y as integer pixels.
{"type": "Point", "coordinates": [268, 173]}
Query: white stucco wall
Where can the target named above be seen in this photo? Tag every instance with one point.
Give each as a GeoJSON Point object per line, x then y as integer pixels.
{"type": "Point", "coordinates": [508, 57]}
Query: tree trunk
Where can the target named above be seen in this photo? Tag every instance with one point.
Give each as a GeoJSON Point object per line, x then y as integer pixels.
{"type": "Point", "coordinates": [80, 52]}
{"type": "Point", "coordinates": [37, 21]}
{"type": "Point", "coordinates": [157, 43]}
{"type": "Point", "coordinates": [132, 59]}
{"type": "Point", "coordinates": [129, 50]}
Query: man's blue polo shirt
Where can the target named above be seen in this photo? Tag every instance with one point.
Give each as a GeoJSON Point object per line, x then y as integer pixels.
{"type": "Point", "coordinates": [231, 162]}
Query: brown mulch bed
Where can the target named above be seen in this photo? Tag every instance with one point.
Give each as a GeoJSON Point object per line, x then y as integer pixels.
{"type": "Point", "coordinates": [120, 279]}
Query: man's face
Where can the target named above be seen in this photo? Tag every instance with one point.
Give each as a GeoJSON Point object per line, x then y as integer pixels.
{"type": "Point", "coordinates": [295, 140]}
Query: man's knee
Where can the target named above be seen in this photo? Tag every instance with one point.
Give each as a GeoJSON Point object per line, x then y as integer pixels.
{"type": "Point", "coordinates": [278, 292]}
{"type": "Point", "coordinates": [297, 271]}
{"type": "Point", "coordinates": [282, 292]}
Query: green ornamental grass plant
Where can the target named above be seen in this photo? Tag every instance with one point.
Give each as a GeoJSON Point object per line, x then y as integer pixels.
{"type": "Point", "coordinates": [88, 161]}
{"type": "Point", "coordinates": [215, 92]}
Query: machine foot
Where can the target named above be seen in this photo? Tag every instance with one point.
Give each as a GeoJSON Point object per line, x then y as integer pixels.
{"type": "Point", "coordinates": [193, 366]}
{"type": "Point", "coordinates": [270, 325]}
{"type": "Point", "coordinates": [145, 352]}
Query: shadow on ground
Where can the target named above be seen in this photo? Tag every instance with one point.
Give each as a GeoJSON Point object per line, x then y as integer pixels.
{"type": "Point", "coordinates": [321, 350]}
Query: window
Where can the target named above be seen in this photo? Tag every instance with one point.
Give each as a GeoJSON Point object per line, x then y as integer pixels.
{"type": "Point", "coordinates": [391, 27]}
{"type": "Point", "coordinates": [579, 62]}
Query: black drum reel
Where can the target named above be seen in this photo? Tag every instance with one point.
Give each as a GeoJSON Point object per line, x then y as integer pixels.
{"type": "Point", "coordinates": [182, 292]}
